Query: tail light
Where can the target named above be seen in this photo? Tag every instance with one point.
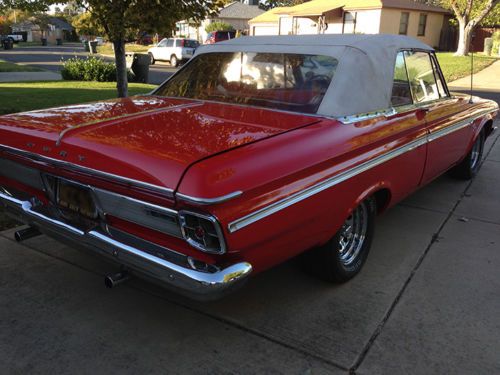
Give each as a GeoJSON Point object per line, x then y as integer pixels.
{"type": "Point", "coordinates": [203, 232]}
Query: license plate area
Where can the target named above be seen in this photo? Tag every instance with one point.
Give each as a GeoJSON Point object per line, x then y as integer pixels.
{"type": "Point", "coordinates": [75, 200]}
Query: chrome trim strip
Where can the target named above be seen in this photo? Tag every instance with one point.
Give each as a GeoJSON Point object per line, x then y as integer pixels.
{"type": "Point", "coordinates": [332, 181]}
{"type": "Point", "coordinates": [71, 166]}
{"type": "Point", "coordinates": [366, 116]}
{"type": "Point", "coordinates": [450, 129]}
{"type": "Point", "coordinates": [95, 122]}
{"type": "Point", "coordinates": [202, 285]}
{"type": "Point", "coordinates": [197, 245]}
{"type": "Point", "coordinates": [323, 185]}
{"type": "Point", "coordinates": [205, 201]}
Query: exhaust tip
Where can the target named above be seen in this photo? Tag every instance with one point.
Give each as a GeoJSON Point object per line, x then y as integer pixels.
{"type": "Point", "coordinates": [24, 234]}
{"type": "Point", "coordinates": [110, 281]}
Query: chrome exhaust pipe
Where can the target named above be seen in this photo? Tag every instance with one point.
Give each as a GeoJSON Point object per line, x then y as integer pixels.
{"type": "Point", "coordinates": [24, 234]}
{"type": "Point", "coordinates": [113, 280]}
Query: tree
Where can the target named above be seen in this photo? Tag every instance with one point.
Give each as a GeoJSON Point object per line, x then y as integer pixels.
{"type": "Point", "coordinates": [469, 14]}
{"type": "Point", "coordinates": [84, 24]}
{"type": "Point", "coordinates": [270, 4]}
{"type": "Point", "coordinates": [219, 26]}
{"type": "Point", "coordinates": [117, 17]}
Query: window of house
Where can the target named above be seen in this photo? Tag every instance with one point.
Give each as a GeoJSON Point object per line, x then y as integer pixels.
{"type": "Point", "coordinates": [422, 22]}
{"type": "Point", "coordinates": [349, 26]}
{"type": "Point", "coordinates": [403, 23]}
{"type": "Point", "coordinates": [401, 94]}
{"type": "Point", "coordinates": [421, 76]}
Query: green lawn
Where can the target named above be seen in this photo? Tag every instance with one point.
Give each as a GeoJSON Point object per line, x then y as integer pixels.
{"type": "Point", "coordinates": [11, 67]}
{"type": "Point", "coordinates": [107, 48]}
{"type": "Point", "coordinates": [455, 67]}
{"type": "Point", "coordinates": [26, 96]}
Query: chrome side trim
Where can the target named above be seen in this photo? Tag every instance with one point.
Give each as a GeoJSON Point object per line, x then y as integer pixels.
{"type": "Point", "coordinates": [125, 116]}
{"type": "Point", "coordinates": [332, 181]}
{"type": "Point", "coordinates": [211, 283]}
{"type": "Point", "coordinates": [450, 129]}
{"type": "Point", "coordinates": [110, 176]}
{"type": "Point", "coordinates": [323, 185]}
{"type": "Point", "coordinates": [205, 201]}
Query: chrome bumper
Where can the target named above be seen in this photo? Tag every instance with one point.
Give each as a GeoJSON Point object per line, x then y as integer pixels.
{"type": "Point", "coordinates": [190, 282]}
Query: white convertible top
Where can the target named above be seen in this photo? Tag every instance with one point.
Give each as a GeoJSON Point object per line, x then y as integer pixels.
{"type": "Point", "coordinates": [363, 80]}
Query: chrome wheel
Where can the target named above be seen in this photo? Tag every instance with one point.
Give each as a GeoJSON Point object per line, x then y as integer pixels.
{"type": "Point", "coordinates": [353, 234]}
{"type": "Point", "coordinates": [475, 153]}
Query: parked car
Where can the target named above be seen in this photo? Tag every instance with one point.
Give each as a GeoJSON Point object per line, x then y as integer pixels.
{"type": "Point", "coordinates": [100, 40]}
{"type": "Point", "coordinates": [174, 50]}
{"type": "Point", "coordinates": [144, 39]}
{"type": "Point", "coordinates": [219, 36]}
{"type": "Point", "coordinates": [232, 166]}
{"type": "Point", "coordinates": [15, 38]}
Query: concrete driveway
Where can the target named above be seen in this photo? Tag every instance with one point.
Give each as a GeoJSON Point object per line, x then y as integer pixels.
{"type": "Point", "coordinates": [427, 302]}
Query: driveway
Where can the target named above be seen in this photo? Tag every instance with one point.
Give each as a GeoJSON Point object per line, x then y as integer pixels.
{"type": "Point", "coordinates": [426, 303]}
{"type": "Point", "coordinates": [51, 57]}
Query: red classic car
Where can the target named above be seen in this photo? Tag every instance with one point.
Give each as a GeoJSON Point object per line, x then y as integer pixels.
{"type": "Point", "coordinates": [257, 150]}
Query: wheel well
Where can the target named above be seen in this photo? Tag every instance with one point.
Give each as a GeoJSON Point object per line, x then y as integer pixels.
{"type": "Point", "coordinates": [382, 197]}
{"type": "Point", "coordinates": [488, 127]}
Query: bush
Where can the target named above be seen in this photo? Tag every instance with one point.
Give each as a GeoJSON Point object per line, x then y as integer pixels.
{"type": "Point", "coordinates": [90, 69]}
{"type": "Point", "coordinates": [218, 26]}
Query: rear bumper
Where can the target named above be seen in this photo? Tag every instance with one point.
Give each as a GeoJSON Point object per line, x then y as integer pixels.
{"type": "Point", "coordinates": [187, 281]}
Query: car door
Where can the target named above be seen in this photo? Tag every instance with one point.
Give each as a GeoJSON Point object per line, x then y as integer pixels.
{"type": "Point", "coordinates": [168, 50]}
{"type": "Point", "coordinates": [158, 50]}
{"type": "Point", "coordinates": [447, 138]}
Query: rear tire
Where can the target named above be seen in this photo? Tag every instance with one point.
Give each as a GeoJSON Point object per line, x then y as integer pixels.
{"type": "Point", "coordinates": [173, 61]}
{"type": "Point", "coordinates": [151, 59]}
{"type": "Point", "coordinates": [469, 167]}
{"type": "Point", "coordinates": [341, 258]}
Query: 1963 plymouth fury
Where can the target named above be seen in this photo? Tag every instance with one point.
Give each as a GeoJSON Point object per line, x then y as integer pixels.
{"type": "Point", "coordinates": [257, 150]}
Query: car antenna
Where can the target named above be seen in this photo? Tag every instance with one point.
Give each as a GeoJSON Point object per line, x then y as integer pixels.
{"type": "Point", "coordinates": [471, 66]}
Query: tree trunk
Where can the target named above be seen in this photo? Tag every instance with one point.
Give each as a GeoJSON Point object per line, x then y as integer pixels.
{"type": "Point", "coordinates": [121, 68]}
{"type": "Point", "coordinates": [464, 38]}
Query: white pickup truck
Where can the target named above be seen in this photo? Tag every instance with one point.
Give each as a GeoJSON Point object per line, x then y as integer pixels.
{"type": "Point", "coordinates": [16, 38]}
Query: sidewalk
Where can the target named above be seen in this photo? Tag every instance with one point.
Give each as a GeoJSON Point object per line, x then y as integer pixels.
{"type": "Point", "coordinates": [29, 76]}
{"type": "Point", "coordinates": [487, 79]}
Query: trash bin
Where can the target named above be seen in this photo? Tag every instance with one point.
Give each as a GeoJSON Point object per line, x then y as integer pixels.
{"type": "Point", "coordinates": [139, 64]}
{"type": "Point", "coordinates": [59, 42]}
{"type": "Point", "coordinates": [44, 41]}
{"type": "Point", "coordinates": [86, 46]}
{"type": "Point", "coordinates": [93, 47]}
{"type": "Point", "coordinates": [8, 43]}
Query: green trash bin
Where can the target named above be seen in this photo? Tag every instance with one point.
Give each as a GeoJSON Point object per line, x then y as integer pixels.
{"type": "Point", "coordinates": [86, 47]}
{"type": "Point", "coordinates": [93, 47]}
{"type": "Point", "coordinates": [44, 41]}
{"type": "Point", "coordinates": [139, 64]}
{"type": "Point", "coordinates": [59, 41]}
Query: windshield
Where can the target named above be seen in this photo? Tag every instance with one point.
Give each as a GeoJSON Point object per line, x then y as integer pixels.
{"type": "Point", "coordinates": [293, 82]}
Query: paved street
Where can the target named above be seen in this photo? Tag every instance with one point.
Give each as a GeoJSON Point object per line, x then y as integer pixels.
{"type": "Point", "coordinates": [51, 57]}
{"type": "Point", "coordinates": [426, 303]}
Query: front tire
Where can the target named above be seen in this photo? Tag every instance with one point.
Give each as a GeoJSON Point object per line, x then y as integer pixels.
{"type": "Point", "coordinates": [151, 59]}
{"type": "Point", "coordinates": [341, 258]}
{"type": "Point", "coordinates": [173, 61]}
{"type": "Point", "coordinates": [469, 167]}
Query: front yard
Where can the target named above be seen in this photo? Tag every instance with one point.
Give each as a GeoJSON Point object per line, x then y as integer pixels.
{"type": "Point", "coordinates": [26, 96]}
{"type": "Point", "coordinates": [8, 67]}
{"type": "Point", "coordinates": [455, 67]}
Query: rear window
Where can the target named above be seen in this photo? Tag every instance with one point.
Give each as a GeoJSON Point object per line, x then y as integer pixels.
{"type": "Point", "coordinates": [293, 82]}
{"type": "Point", "coordinates": [191, 43]}
{"type": "Point", "coordinates": [224, 35]}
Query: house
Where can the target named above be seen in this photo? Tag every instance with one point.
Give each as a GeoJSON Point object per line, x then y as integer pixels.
{"type": "Point", "coordinates": [32, 32]}
{"type": "Point", "coordinates": [237, 14]}
{"type": "Point", "coordinates": [405, 17]}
